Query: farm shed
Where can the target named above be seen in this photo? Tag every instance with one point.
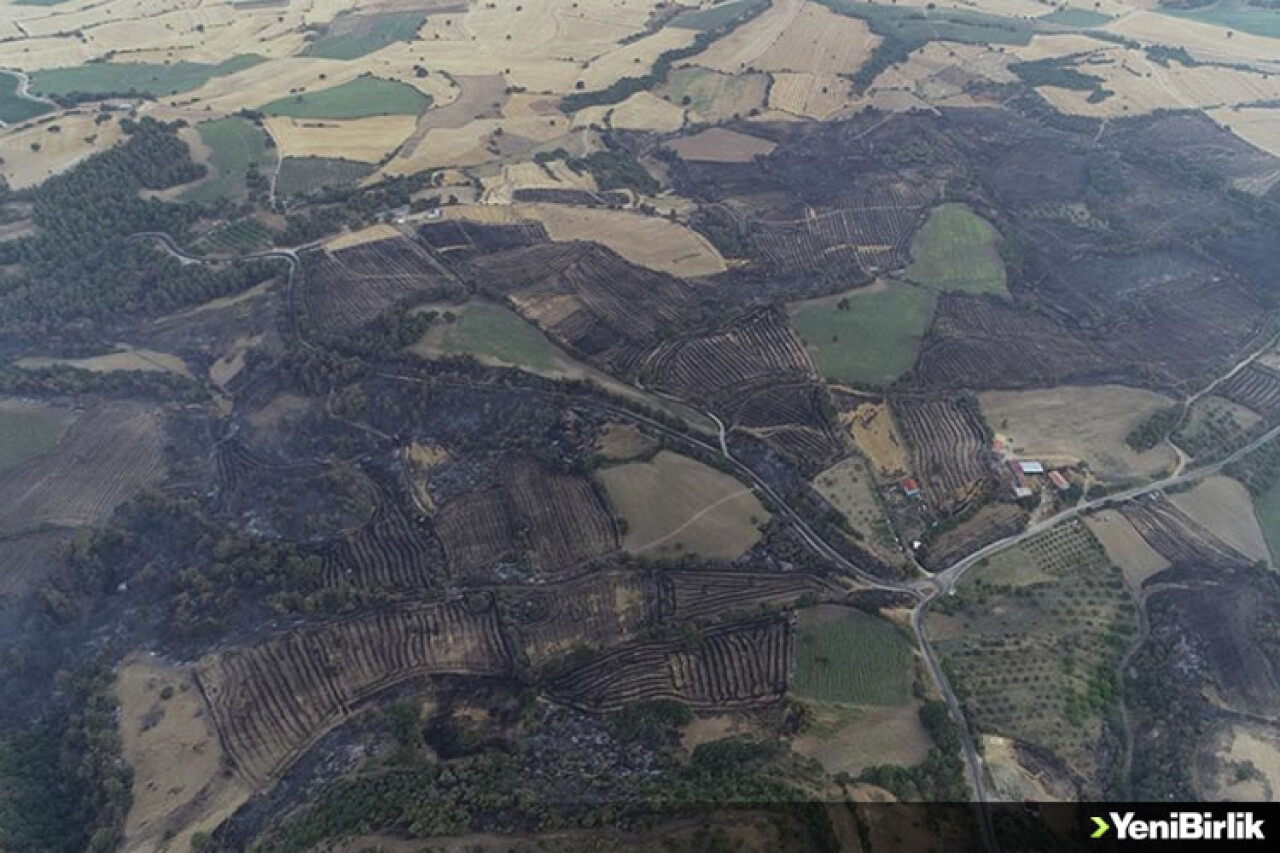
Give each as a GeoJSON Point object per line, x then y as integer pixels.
{"type": "Point", "coordinates": [1031, 467]}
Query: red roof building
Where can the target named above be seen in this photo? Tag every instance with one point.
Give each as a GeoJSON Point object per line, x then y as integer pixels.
{"type": "Point", "coordinates": [1059, 482]}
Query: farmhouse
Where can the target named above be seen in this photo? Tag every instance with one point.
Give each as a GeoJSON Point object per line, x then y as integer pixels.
{"type": "Point", "coordinates": [910, 487]}
{"type": "Point", "coordinates": [1059, 482]}
{"type": "Point", "coordinates": [1018, 476]}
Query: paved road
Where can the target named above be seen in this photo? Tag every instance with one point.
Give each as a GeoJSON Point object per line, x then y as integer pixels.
{"type": "Point", "coordinates": [923, 590]}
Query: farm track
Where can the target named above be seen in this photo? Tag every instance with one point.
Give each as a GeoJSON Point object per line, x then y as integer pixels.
{"type": "Point", "coordinates": [923, 590]}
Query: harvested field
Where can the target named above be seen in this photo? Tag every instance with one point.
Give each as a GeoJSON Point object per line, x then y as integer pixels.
{"type": "Point", "coordinates": [737, 51]}
{"type": "Point", "coordinates": [1259, 126]}
{"type": "Point", "coordinates": [1070, 424]}
{"type": "Point", "coordinates": [365, 140]}
{"type": "Point", "coordinates": [1204, 41]}
{"type": "Point", "coordinates": [109, 455]}
{"type": "Point", "coordinates": [1138, 84]}
{"type": "Point", "coordinates": [1125, 547]}
{"type": "Point", "coordinates": [719, 145]}
{"type": "Point", "coordinates": [549, 523]}
{"type": "Point", "coordinates": [371, 234]}
{"type": "Point", "coordinates": [714, 97]}
{"type": "Point", "coordinates": [1036, 660]}
{"type": "Point", "coordinates": [29, 156]}
{"type": "Point", "coordinates": [28, 430]}
{"type": "Point", "coordinates": [867, 336]}
{"type": "Point", "coordinates": [945, 440]}
{"type": "Point", "coordinates": [674, 505]}
{"type": "Point", "coordinates": [347, 288]}
{"type": "Point", "coordinates": [170, 743]}
{"type": "Point", "coordinates": [871, 425]}
{"type": "Point", "coordinates": [1224, 507]}
{"type": "Point", "coordinates": [649, 241]}
{"type": "Point", "coordinates": [731, 666]}
{"type": "Point", "coordinates": [272, 700]}
{"type": "Point", "coordinates": [816, 96]}
{"type": "Point", "coordinates": [818, 41]}
{"type": "Point", "coordinates": [849, 657]}
{"type": "Point", "coordinates": [646, 111]}
{"type": "Point", "coordinates": [957, 251]}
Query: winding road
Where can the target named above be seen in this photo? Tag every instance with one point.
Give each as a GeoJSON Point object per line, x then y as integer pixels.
{"type": "Point", "coordinates": [923, 590]}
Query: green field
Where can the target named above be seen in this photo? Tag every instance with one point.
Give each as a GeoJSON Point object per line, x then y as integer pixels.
{"type": "Point", "coordinates": [1234, 15]}
{"type": "Point", "coordinates": [716, 16]}
{"type": "Point", "coordinates": [26, 433]}
{"type": "Point", "coordinates": [359, 98]}
{"type": "Point", "coordinates": [866, 336]}
{"type": "Point", "coordinates": [917, 26]}
{"type": "Point", "coordinates": [491, 331]}
{"type": "Point", "coordinates": [306, 174]}
{"type": "Point", "coordinates": [1074, 17]}
{"type": "Point", "coordinates": [852, 658]}
{"type": "Point", "coordinates": [13, 108]}
{"type": "Point", "coordinates": [957, 251]}
{"type": "Point", "coordinates": [140, 78]}
{"type": "Point", "coordinates": [236, 145]}
{"type": "Point", "coordinates": [1266, 507]}
{"type": "Point", "coordinates": [353, 36]}
{"type": "Point", "coordinates": [234, 238]}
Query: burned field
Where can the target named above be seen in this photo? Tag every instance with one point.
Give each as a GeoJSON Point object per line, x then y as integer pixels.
{"type": "Point", "coordinates": [347, 288]}
{"type": "Point", "coordinates": [1208, 659]}
{"type": "Point", "coordinates": [545, 524]}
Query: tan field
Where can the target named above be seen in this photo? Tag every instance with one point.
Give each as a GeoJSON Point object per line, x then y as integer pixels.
{"type": "Point", "coordinates": [1205, 42]}
{"type": "Point", "coordinates": [674, 505]}
{"type": "Point", "coordinates": [1073, 423]}
{"type": "Point", "coordinates": [939, 74]}
{"type": "Point", "coordinates": [1141, 86]}
{"type": "Point", "coordinates": [818, 96]}
{"type": "Point", "coordinates": [819, 41]}
{"type": "Point", "coordinates": [649, 241]}
{"type": "Point", "coordinates": [742, 47]}
{"type": "Point", "coordinates": [168, 739]}
{"type": "Point", "coordinates": [850, 740]}
{"type": "Point", "coordinates": [1223, 505]}
{"type": "Point", "coordinates": [849, 487]}
{"type": "Point", "coordinates": [623, 60]}
{"type": "Point", "coordinates": [1253, 750]}
{"type": "Point", "coordinates": [1259, 126]}
{"type": "Point", "coordinates": [646, 111]}
{"type": "Point", "coordinates": [620, 442]}
{"type": "Point", "coordinates": [521, 125]}
{"type": "Point", "coordinates": [874, 432]}
{"type": "Point", "coordinates": [372, 234]}
{"type": "Point", "coordinates": [499, 188]}
{"type": "Point", "coordinates": [1012, 781]}
{"type": "Point", "coordinates": [367, 140]}
{"type": "Point", "coordinates": [127, 358]}
{"type": "Point", "coordinates": [1125, 547]}
{"type": "Point", "coordinates": [718, 145]}
{"type": "Point", "coordinates": [77, 137]}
